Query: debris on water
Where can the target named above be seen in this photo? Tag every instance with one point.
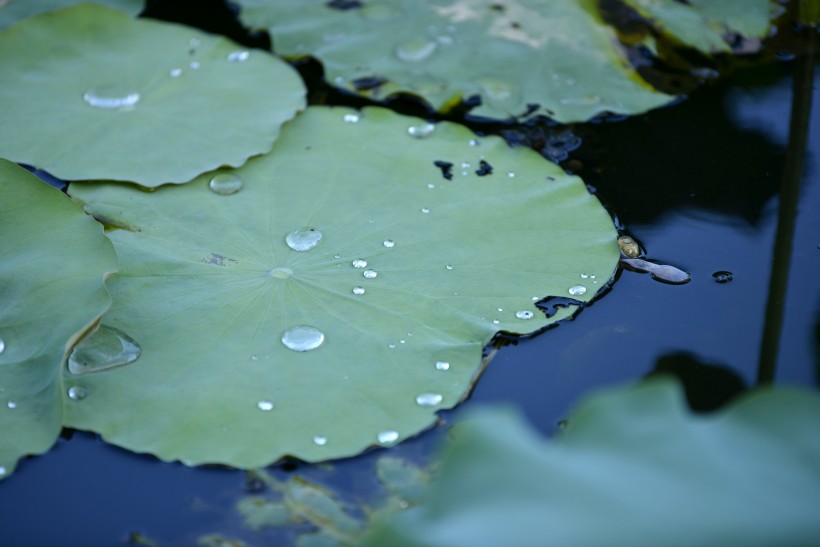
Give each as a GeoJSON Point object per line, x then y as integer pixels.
{"type": "Point", "coordinates": [484, 169]}
{"type": "Point", "coordinates": [446, 168]}
{"type": "Point", "coordinates": [723, 276]}
{"type": "Point", "coordinates": [660, 272]}
{"type": "Point", "coordinates": [629, 247]}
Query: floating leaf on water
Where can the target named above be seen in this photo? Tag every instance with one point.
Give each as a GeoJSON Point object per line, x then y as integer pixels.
{"type": "Point", "coordinates": [660, 272]}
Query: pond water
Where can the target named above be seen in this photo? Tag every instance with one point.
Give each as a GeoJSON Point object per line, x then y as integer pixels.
{"type": "Point", "coordinates": [696, 183]}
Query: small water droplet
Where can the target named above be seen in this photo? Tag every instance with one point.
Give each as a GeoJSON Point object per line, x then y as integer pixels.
{"type": "Point", "coordinates": [281, 272]}
{"type": "Point", "coordinates": [358, 290]}
{"type": "Point", "coordinates": [175, 73]}
{"type": "Point", "coordinates": [421, 131]}
{"type": "Point", "coordinates": [239, 56]}
{"type": "Point", "coordinates": [431, 186]}
{"type": "Point", "coordinates": [465, 165]}
{"type": "Point", "coordinates": [77, 393]}
{"type": "Point", "coordinates": [402, 341]}
{"type": "Point", "coordinates": [723, 276]}
{"type": "Point", "coordinates": [2, 346]}
{"type": "Point", "coordinates": [337, 256]}
{"type": "Point", "coordinates": [389, 243]}
{"type": "Point", "coordinates": [442, 365]}
{"type": "Point", "coordinates": [391, 346]}
{"type": "Point", "coordinates": [524, 314]}
{"type": "Point", "coordinates": [225, 184]}
{"type": "Point", "coordinates": [584, 276]}
{"type": "Point", "coordinates": [254, 358]}
{"type": "Point", "coordinates": [474, 142]}
{"type": "Point", "coordinates": [351, 118]}
{"type": "Point", "coordinates": [415, 51]}
{"type": "Point", "coordinates": [303, 239]}
{"type": "Point", "coordinates": [577, 290]}
{"type": "Point", "coordinates": [511, 174]}
{"type": "Point", "coordinates": [387, 437]}
{"type": "Point", "coordinates": [429, 399]}
{"type": "Point", "coordinates": [111, 97]}
{"type": "Point", "coordinates": [105, 348]}
{"type": "Point", "coordinates": [194, 65]}
{"type": "Point", "coordinates": [265, 405]}
{"type": "Point", "coordinates": [496, 321]}
{"type": "Point", "coordinates": [370, 274]}
{"type": "Point", "coordinates": [303, 338]}
{"type": "Point", "coordinates": [2, 470]}
{"type": "Point", "coordinates": [425, 210]}
{"type": "Point", "coordinates": [449, 266]}
{"type": "Point", "coordinates": [319, 440]}
{"type": "Point", "coordinates": [500, 309]}
{"type": "Point", "coordinates": [359, 263]}
{"type": "Point", "coordinates": [11, 404]}
{"type": "Point", "coordinates": [535, 299]}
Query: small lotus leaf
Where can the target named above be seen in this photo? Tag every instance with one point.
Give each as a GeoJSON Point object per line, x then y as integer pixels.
{"type": "Point", "coordinates": [210, 285]}
{"type": "Point", "coordinates": [558, 55]}
{"type": "Point", "coordinates": [53, 261]}
{"type": "Point", "coordinates": [12, 11]}
{"type": "Point", "coordinates": [171, 102]}
{"type": "Point", "coordinates": [634, 468]}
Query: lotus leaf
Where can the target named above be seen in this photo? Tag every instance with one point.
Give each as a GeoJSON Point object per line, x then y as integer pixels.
{"type": "Point", "coordinates": [52, 263]}
{"type": "Point", "coordinates": [557, 54]}
{"type": "Point", "coordinates": [705, 24]}
{"type": "Point", "coordinates": [135, 100]}
{"type": "Point", "coordinates": [386, 261]}
{"type": "Point", "coordinates": [634, 468]}
{"type": "Point", "coordinates": [15, 10]}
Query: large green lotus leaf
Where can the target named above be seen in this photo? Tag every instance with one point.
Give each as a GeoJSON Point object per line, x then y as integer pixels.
{"type": "Point", "coordinates": [209, 285]}
{"type": "Point", "coordinates": [152, 125]}
{"type": "Point", "coordinates": [559, 55]}
{"type": "Point", "coordinates": [635, 468]}
{"type": "Point", "coordinates": [53, 261]}
{"type": "Point", "coordinates": [707, 24]}
{"type": "Point", "coordinates": [12, 11]}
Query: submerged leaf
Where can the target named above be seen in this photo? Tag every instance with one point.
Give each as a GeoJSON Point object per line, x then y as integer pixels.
{"type": "Point", "coordinates": [136, 100]}
{"type": "Point", "coordinates": [661, 272]}
{"type": "Point", "coordinates": [633, 468]}
{"type": "Point", "coordinates": [341, 297]}
{"type": "Point", "coordinates": [52, 264]}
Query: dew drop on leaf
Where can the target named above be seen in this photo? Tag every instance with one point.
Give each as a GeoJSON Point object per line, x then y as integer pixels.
{"type": "Point", "coordinates": [319, 440]}
{"type": "Point", "coordinates": [265, 405]}
{"type": "Point", "coordinates": [524, 314]}
{"type": "Point", "coordinates": [421, 131]}
{"type": "Point", "coordinates": [387, 437]}
{"type": "Point", "coordinates": [577, 290]}
{"type": "Point", "coordinates": [389, 243]}
{"type": "Point", "coordinates": [238, 56]}
{"type": "Point", "coordinates": [77, 393]}
{"type": "Point", "coordinates": [105, 348]}
{"type": "Point", "coordinates": [442, 365]}
{"type": "Point", "coordinates": [303, 239]}
{"type": "Point", "coordinates": [225, 184]}
{"type": "Point", "coordinates": [175, 72]}
{"type": "Point", "coordinates": [358, 290]}
{"type": "Point", "coordinates": [2, 346]}
{"type": "Point", "coordinates": [359, 263]}
{"type": "Point", "coordinates": [415, 51]}
{"type": "Point", "coordinates": [429, 399]}
{"type": "Point", "coordinates": [351, 118]}
{"type": "Point", "coordinates": [370, 274]}
{"type": "Point", "coordinates": [303, 338]}
{"type": "Point", "coordinates": [111, 97]}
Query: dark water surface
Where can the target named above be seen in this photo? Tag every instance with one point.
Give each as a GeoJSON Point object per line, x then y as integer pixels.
{"type": "Point", "coordinates": [696, 184]}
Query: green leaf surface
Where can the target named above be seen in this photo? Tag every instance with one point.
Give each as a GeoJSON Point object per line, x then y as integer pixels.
{"type": "Point", "coordinates": [152, 125]}
{"type": "Point", "coordinates": [53, 261]}
{"type": "Point", "coordinates": [634, 468]}
{"type": "Point", "coordinates": [209, 286]}
{"type": "Point", "coordinates": [12, 11]}
{"type": "Point", "coordinates": [559, 55]}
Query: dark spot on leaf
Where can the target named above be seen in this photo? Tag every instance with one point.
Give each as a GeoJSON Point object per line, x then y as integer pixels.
{"type": "Point", "coordinates": [472, 101]}
{"type": "Point", "coordinates": [368, 82]}
{"type": "Point", "coordinates": [498, 7]}
{"type": "Point", "coordinates": [446, 168]}
{"type": "Point", "coordinates": [217, 260]}
{"type": "Point", "coordinates": [552, 304]}
{"type": "Point", "coordinates": [343, 4]}
{"type": "Point", "coordinates": [484, 168]}
{"type": "Point", "coordinates": [515, 25]}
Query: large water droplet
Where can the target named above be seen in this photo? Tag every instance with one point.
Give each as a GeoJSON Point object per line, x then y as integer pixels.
{"type": "Point", "coordinates": [105, 348]}
{"type": "Point", "coordinates": [415, 51]}
{"type": "Point", "coordinates": [225, 184]}
{"type": "Point", "coordinates": [319, 440]}
{"type": "Point", "coordinates": [577, 290]}
{"type": "Point", "coordinates": [239, 56]}
{"type": "Point", "coordinates": [281, 272]}
{"type": "Point", "coordinates": [303, 338]}
{"type": "Point", "coordinates": [429, 399]}
{"type": "Point", "coordinates": [77, 393]}
{"type": "Point", "coordinates": [370, 274]}
{"type": "Point", "coordinates": [442, 365]}
{"type": "Point", "coordinates": [387, 437]}
{"type": "Point", "coordinates": [358, 290]}
{"type": "Point", "coordinates": [359, 263]}
{"type": "Point", "coordinates": [389, 243]}
{"type": "Point", "coordinates": [351, 118]}
{"type": "Point", "coordinates": [265, 405]}
{"type": "Point", "coordinates": [524, 314]}
{"type": "Point", "coordinates": [111, 97]}
{"type": "Point", "coordinates": [421, 131]}
{"type": "Point", "coordinates": [303, 239]}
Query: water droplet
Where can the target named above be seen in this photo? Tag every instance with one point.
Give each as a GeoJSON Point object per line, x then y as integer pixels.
{"type": "Point", "coordinates": [415, 51]}
{"type": "Point", "coordinates": [351, 118]}
{"type": "Point", "coordinates": [496, 321]}
{"type": "Point", "coordinates": [111, 97]}
{"type": "Point", "coordinates": [577, 290]}
{"type": "Point", "coordinates": [2, 346]}
{"type": "Point", "coordinates": [584, 276]}
{"type": "Point", "coordinates": [429, 399]}
{"type": "Point", "coordinates": [319, 440]}
{"type": "Point", "coordinates": [239, 56]}
{"type": "Point", "coordinates": [535, 299]}
{"type": "Point", "coordinates": [465, 165]}
{"type": "Point", "coordinates": [11, 404]}
{"type": "Point", "coordinates": [175, 73]}
{"type": "Point", "coordinates": [265, 405]}
{"type": "Point", "coordinates": [722, 276]}
{"type": "Point", "coordinates": [402, 341]}
{"type": "Point", "coordinates": [225, 184]}
{"type": "Point", "coordinates": [303, 239]}
{"type": "Point", "coordinates": [442, 365]}
{"type": "Point", "coordinates": [370, 274]}
{"type": "Point", "coordinates": [337, 256]}
{"type": "Point", "coordinates": [511, 174]}
{"type": "Point", "coordinates": [254, 358]}
{"type": "Point", "coordinates": [2, 470]}
{"type": "Point", "coordinates": [524, 314]}
{"type": "Point", "coordinates": [387, 437]}
{"type": "Point", "coordinates": [431, 186]}
{"type": "Point", "coordinates": [105, 348]}
{"type": "Point", "coordinates": [359, 263]}
{"type": "Point", "coordinates": [281, 272]}
{"type": "Point", "coordinates": [389, 243]}
{"type": "Point", "coordinates": [474, 142]}
{"type": "Point", "coordinates": [77, 393]}
{"type": "Point", "coordinates": [194, 65]}
{"type": "Point", "coordinates": [421, 131]}
{"type": "Point", "coordinates": [391, 346]}
{"type": "Point", "coordinates": [425, 210]}
{"type": "Point", "coordinates": [449, 266]}
{"type": "Point", "coordinates": [500, 309]}
{"type": "Point", "coordinates": [303, 338]}
{"type": "Point", "coordinates": [358, 290]}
